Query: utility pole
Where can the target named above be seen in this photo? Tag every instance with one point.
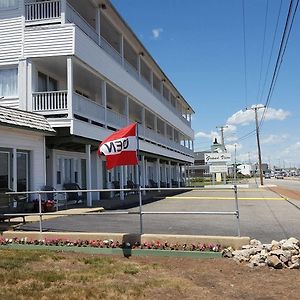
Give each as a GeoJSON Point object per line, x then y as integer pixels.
{"type": "Point", "coordinates": [222, 135]}
{"type": "Point", "coordinates": [256, 108]}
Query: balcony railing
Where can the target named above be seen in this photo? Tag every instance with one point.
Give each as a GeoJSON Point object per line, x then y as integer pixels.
{"type": "Point", "coordinates": [51, 11]}
{"type": "Point", "coordinates": [115, 119]}
{"type": "Point", "coordinates": [55, 101]}
{"type": "Point", "coordinates": [36, 11]}
{"type": "Point", "coordinates": [88, 108]}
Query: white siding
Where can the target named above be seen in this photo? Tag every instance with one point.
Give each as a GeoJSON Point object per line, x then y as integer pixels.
{"type": "Point", "coordinates": [33, 142]}
{"type": "Point", "coordinates": [10, 102]}
{"type": "Point", "coordinates": [93, 55]}
{"type": "Point", "coordinates": [49, 41]}
{"type": "Point", "coordinates": [10, 36]}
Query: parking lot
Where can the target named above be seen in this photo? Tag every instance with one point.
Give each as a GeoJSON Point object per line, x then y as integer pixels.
{"type": "Point", "coordinates": [264, 215]}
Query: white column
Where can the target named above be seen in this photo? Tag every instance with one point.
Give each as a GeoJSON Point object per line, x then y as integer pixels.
{"type": "Point", "coordinates": [63, 9]}
{"type": "Point", "coordinates": [104, 101]}
{"type": "Point", "coordinates": [122, 183]}
{"type": "Point", "coordinates": [22, 83]}
{"type": "Point", "coordinates": [29, 86]}
{"type": "Point", "coordinates": [146, 173]}
{"type": "Point", "coordinates": [178, 174]}
{"type": "Point", "coordinates": [143, 121]}
{"type": "Point", "coordinates": [122, 49]}
{"type": "Point", "coordinates": [143, 177]}
{"type": "Point", "coordinates": [98, 23]}
{"type": "Point", "coordinates": [184, 174]}
{"type": "Point", "coordinates": [158, 172]}
{"type": "Point", "coordinates": [170, 174]}
{"type": "Point", "coordinates": [127, 109]}
{"type": "Point", "coordinates": [88, 174]}
{"type": "Point", "coordinates": [70, 86]}
{"type": "Point", "coordinates": [139, 65]}
{"type": "Point", "coordinates": [14, 170]}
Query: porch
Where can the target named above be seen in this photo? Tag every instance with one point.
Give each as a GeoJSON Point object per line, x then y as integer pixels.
{"type": "Point", "coordinates": [94, 22]}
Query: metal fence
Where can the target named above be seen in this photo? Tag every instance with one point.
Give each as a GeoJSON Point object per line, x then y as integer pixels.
{"type": "Point", "coordinates": [140, 212]}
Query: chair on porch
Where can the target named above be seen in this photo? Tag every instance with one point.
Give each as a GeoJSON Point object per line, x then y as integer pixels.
{"type": "Point", "coordinates": [78, 197]}
{"type": "Point", "coordinates": [152, 183]}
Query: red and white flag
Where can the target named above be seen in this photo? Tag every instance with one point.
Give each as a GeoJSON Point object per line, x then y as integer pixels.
{"type": "Point", "coordinates": [120, 148]}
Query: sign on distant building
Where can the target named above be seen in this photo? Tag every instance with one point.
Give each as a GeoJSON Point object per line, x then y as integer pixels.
{"type": "Point", "coordinates": [218, 169]}
{"type": "Point", "coordinates": [210, 158]}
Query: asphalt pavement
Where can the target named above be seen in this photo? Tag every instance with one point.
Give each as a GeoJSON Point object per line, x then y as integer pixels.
{"type": "Point", "coordinates": [264, 215]}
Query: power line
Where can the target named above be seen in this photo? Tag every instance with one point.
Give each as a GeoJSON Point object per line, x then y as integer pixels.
{"type": "Point", "coordinates": [245, 56]}
{"type": "Point", "coordinates": [283, 45]}
{"type": "Point", "coordinates": [263, 48]}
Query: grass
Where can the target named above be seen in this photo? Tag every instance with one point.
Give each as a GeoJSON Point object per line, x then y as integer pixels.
{"type": "Point", "coordinates": [55, 275]}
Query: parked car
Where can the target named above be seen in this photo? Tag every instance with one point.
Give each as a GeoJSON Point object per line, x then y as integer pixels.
{"type": "Point", "coordinates": [279, 176]}
{"type": "Point", "coordinates": [267, 175]}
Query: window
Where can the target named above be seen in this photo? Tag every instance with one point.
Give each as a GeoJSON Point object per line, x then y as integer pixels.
{"type": "Point", "coordinates": [4, 170]}
{"type": "Point", "coordinates": [8, 82]}
{"type": "Point", "coordinates": [22, 171]}
{"type": "Point", "coordinates": [46, 83]}
{"type": "Point", "coordinates": [9, 4]}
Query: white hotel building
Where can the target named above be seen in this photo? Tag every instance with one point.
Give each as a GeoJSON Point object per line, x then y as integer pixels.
{"type": "Point", "coordinates": [78, 64]}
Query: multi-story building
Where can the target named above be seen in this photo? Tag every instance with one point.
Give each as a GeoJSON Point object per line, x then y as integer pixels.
{"type": "Point", "coordinates": [81, 66]}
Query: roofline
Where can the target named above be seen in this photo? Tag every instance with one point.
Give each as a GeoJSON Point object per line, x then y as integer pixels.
{"type": "Point", "coordinates": [28, 128]}
{"type": "Point", "coordinates": [144, 49]}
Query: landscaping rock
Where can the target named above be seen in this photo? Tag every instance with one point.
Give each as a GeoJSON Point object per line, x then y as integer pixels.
{"type": "Point", "coordinates": [277, 255]}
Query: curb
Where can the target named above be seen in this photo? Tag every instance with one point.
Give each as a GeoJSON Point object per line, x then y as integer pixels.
{"type": "Point", "coordinates": [118, 251]}
{"type": "Point", "coordinates": [224, 241]}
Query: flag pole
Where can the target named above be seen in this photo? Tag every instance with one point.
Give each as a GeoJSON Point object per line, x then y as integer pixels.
{"type": "Point", "coordinates": [139, 179]}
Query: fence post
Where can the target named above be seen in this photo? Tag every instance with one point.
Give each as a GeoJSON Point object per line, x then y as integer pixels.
{"type": "Point", "coordinates": [40, 212]}
{"type": "Point", "coordinates": [141, 213]}
{"type": "Point", "coordinates": [237, 210]}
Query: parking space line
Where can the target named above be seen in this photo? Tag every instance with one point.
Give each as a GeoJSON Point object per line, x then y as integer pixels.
{"type": "Point", "coordinates": [226, 198]}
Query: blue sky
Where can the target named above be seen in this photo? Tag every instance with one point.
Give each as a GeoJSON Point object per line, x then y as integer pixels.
{"type": "Point", "coordinates": [199, 44]}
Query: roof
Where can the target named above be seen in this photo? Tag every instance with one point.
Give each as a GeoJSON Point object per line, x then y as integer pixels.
{"type": "Point", "coordinates": [23, 119]}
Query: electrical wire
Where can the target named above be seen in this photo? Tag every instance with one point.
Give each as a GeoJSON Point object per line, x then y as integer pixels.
{"type": "Point", "coordinates": [245, 56]}
{"type": "Point", "coordinates": [282, 49]}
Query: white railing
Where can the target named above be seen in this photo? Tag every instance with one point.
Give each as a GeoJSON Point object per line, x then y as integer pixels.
{"type": "Point", "coordinates": [44, 10]}
{"type": "Point", "coordinates": [88, 108]}
{"type": "Point", "coordinates": [115, 119]}
{"type": "Point", "coordinates": [130, 69]}
{"type": "Point", "coordinates": [50, 101]}
{"type": "Point", "coordinates": [73, 16]}
{"type": "Point", "coordinates": [109, 49]}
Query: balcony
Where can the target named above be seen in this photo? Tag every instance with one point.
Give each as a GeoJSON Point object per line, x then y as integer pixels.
{"type": "Point", "coordinates": [48, 12]}
{"type": "Point", "coordinates": [50, 102]}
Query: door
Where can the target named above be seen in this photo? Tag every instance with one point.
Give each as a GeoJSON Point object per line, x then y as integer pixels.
{"type": "Point", "coordinates": [22, 172]}
{"type": "Point", "coordinates": [4, 170]}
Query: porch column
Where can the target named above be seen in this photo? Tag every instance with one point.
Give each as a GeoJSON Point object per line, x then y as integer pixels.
{"type": "Point", "coordinates": [63, 9]}
{"type": "Point", "coordinates": [188, 175]}
{"type": "Point", "coordinates": [22, 80]}
{"type": "Point", "coordinates": [14, 170]}
{"type": "Point", "coordinates": [98, 23]}
{"type": "Point", "coordinates": [122, 183]}
{"type": "Point", "coordinates": [158, 172]}
{"type": "Point", "coordinates": [122, 49]}
{"type": "Point", "coordinates": [184, 174]}
{"type": "Point", "coordinates": [143, 175]}
{"type": "Point", "coordinates": [178, 174]}
{"type": "Point", "coordinates": [70, 86]}
{"type": "Point", "coordinates": [88, 174]}
{"type": "Point", "coordinates": [104, 101]}
{"type": "Point", "coordinates": [29, 86]}
{"type": "Point", "coordinates": [143, 121]}
{"type": "Point", "coordinates": [170, 174]}
{"type": "Point", "coordinates": [139, 65]}
{"type": "Point", "coordinates": [127, 109]}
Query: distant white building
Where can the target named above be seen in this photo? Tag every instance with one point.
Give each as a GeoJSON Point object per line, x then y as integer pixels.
{"type": "Point", "coordinates": [82, 67]}
{"type": "Point", "coordinates": [245, 169]}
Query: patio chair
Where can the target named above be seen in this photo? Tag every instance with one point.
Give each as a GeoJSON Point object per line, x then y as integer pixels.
{"type": "Point", "coordinates": [74, 196]}
{"type": "Point", "coordinates": [152, 183]}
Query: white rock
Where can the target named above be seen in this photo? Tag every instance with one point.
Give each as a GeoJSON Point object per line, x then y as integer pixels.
{"type": "Point", "coordinates": [295, 259]}
{"type": "Point", "coordinates": [274, 261]}
{"type": "Point", "coordinates": [255, 242]}
{"type": "Point", "coordinates": [288, 245]}
{"type": "Point", "coordinates": [293, 240]}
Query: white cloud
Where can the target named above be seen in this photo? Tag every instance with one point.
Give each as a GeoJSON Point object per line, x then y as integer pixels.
{"type": "Point", "coordinates": [274, 139]}
{"type": "Point", "coordinates": [231, 138]}
{"type": "Point", "coordinates": [247, 116]}
{"type": "Point", "coordinates": [211, 135]}
{"type": "Point", "coordinates": [156, 32]}
{"type": "Point", "coordinates": [231, 147]}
